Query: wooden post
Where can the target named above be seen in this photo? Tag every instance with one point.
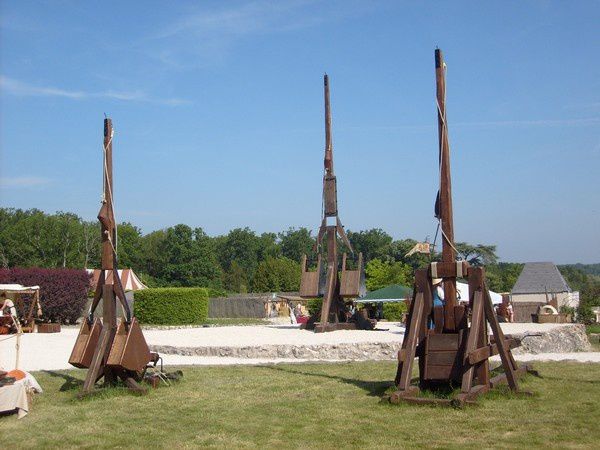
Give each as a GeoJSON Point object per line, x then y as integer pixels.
{"type": "Point", "coordinates": [328, 162]}
{"type": "Point", "coordinates": [331, 288]}
{"type": "Point", "coordinates": [108, 288]}
{"type": "Point", "coordinates": [331, 300]}
{"type": "Point", "coordinates": [445, 193]}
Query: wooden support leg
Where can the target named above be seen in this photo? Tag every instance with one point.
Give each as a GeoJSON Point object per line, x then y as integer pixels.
{"type": "Point", "coordinates": [97, 368]}
{"type": "Point", "coordinates": [500, 341]}
{"type": "Point", "coordinates": [472, 340]}
{"type": "Point", "coordinates": [328, 297]}
{"type": "Point", "coordinates": [134, 385]}
{"type": "Point", "coordinates": [405, 367]}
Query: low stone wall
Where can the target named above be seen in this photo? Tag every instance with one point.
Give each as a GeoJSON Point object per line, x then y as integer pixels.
{"type": "Point", "coordinates": [360, 351]}
{"type": "Point", "coordinates": [563, 339]}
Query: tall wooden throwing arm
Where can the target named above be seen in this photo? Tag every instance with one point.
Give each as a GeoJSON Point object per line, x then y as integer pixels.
{"type": "Point", "coordinates": [109, 351]}
{"type": "Point", "coordinates": [451, 350]}
{"type": "Point", "coordinates": [333, 290]}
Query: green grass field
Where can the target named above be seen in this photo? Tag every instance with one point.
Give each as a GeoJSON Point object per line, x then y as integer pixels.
{"type": "Point", "coordinates": [308, 405]}
{"type": "Point", "coordinates": [594, 328]}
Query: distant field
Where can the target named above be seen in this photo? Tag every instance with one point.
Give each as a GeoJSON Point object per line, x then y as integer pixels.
{"type": "Point", "coordinates": [308, 406]}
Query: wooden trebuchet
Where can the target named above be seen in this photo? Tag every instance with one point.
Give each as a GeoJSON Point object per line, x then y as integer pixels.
{"type": "Point", "coordinates": [325, 281]}
{"type": "Point", "coordinates": [109, 351]}
{"type": "Point", "coordinates": [451, 340]}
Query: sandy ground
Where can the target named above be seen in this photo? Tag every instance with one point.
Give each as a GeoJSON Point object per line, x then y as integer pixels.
{"type": "Point", "coordinates": [51, 351]}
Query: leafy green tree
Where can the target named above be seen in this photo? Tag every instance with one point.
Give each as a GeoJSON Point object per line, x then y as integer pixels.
{"type": "Point", "coordinates": [268, 246]}
{"type": "Point", "coordinates": [89, 244]}
{"type": "Point", "coordinates": [277, 274]}
{"type": "Point", "coordinates": [589, 297]}
{"type": "Point", "coordinates": [372, 243]}
{"type": "Point", "coordinates": [576, 278]}
{"type": "Point", "coordinates": [68, 233]}
{"type": "Point", "coordinates": [190, 258]}
{"type": "Point", "coordinates": [502, 277]}
{"type": "Point", "coordinates": [154, 259]}
{"type": "Point", "coordinates": [129, 246]}
{"type": "Point", "coordinates": [477, 255]}
{"type": "Point", "coordinates": [398, 250]}
{"type": "Point", "coordinates": [235, 279]}
{"type": "Point", "coordinates": [295, 243]}
{"type": "Point", "coordinates": [380, 274]}
{"type": "Point", "coordinates": [241, 245]}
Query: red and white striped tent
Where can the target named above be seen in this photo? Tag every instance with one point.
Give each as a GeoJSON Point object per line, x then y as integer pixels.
{"type": "Point", "coordinates": [129, 279]}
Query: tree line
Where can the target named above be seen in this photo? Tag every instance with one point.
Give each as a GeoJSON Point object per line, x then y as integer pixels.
{"type": "Point", "coordinates": [239, 261]}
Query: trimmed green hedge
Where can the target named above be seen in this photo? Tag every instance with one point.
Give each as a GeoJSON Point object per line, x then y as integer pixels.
{"type": "Point", "coordinates": [171, 306]}
{"type": "Point", "coordinates": [393, 311]}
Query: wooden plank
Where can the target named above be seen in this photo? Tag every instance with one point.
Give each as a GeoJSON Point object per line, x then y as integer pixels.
{"type": "Point", "coordinates": [443, 342]}
{"type": "Point", "coordinates": [401, 354]}
{"type": "Point", "coordinates": [330, 197]}
{"type": "Point", "coordinates": [476, 391]}
{"type": "Point", "coordinates": [321, 328]}
{"type": "Point", "coordinates": [415, 326]}
{"type": "Point", "coordinates": [441, 358]}
{"type": "Point", "coordinates": [500, 341]}
{"type": "Point", "coordinates": [448, 269]}
{"type": "Point", "coordinates": [476, 320]}
{"type": "Point", "coordinates": [350, 283]}
{"type": "Point", "coordinates": [443, 373]}
{"type": "Point", "coordinates": [490, 350]}
{"type": "Point", "coordinates": [502, 379]}
{"type": "Point", "coordinates": [397, 396]}
{"type": "Point", "coordinates": [412, 340]}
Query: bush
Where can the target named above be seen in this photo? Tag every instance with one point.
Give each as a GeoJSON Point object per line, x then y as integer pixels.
{"type": "Point", "coordinates": [171, 306]}
{"type": "Point", "coordinates": [314, 306]}
{"type": "Point", "coordinates": [216, 292]}
{"type": "Point", "coordinates": [63, 292]}
{"type": "Point", "coordinates": [393, 311]}
{"type": "Point", "coordinates": [277, 274]}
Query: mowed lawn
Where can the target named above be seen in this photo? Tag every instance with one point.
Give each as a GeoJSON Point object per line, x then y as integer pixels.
{"type": "Point", "coordinates": [307, 405]}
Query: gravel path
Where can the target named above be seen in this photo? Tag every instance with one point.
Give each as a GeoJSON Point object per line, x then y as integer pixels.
{"type": "Point", "coordinates": [51, 351]}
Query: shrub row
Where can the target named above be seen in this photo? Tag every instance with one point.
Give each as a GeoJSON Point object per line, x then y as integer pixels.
{"type": "Point", "coordinates": [171, 306]}
{"type": "Point", "coordinates": [393, 311]}
{"type": "Point", "coordinates": [63, 292]}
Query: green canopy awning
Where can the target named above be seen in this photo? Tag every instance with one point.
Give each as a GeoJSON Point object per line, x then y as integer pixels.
{"type": "Point", "coordinates": [392, 293]}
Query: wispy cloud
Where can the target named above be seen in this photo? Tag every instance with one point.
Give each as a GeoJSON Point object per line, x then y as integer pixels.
{"type": "Point", "coordinates": [23, 182]}
{"type": "Point", "coordinates": [249, 18]}
{"type": "Point", "coordinates": [208, 35]}
{"type": "Point", "coordinates": [20, 88]}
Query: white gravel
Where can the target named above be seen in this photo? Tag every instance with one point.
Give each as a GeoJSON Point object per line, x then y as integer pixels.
{"type": "Point", "coordinates": [52, 351]}
{"type": "Point", "coordinates": [242, 336]}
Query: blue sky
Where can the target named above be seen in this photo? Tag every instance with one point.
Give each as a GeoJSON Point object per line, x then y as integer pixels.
{"type": "Point", "coordinates": [218, 115]}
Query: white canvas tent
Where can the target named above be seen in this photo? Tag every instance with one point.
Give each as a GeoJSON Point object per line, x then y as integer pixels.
{"type": "Point", "coordinates": [462, 290]}
{"type": "Point", "coordinates": [129, 279]}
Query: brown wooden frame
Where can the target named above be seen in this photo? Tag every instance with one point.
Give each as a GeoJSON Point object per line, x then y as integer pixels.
{"type": "Point", "coordinates": [107, 350]}
{"type": "Point", "coordinates": [333, 305]}
{"type": "Point", "coordinates": [453, 351]}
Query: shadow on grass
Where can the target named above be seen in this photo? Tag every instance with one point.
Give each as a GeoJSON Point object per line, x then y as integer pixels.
{"type": "Point", "coordinates": [70, 383]}
{"type": "Point", "coordinates": [373, 388]}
